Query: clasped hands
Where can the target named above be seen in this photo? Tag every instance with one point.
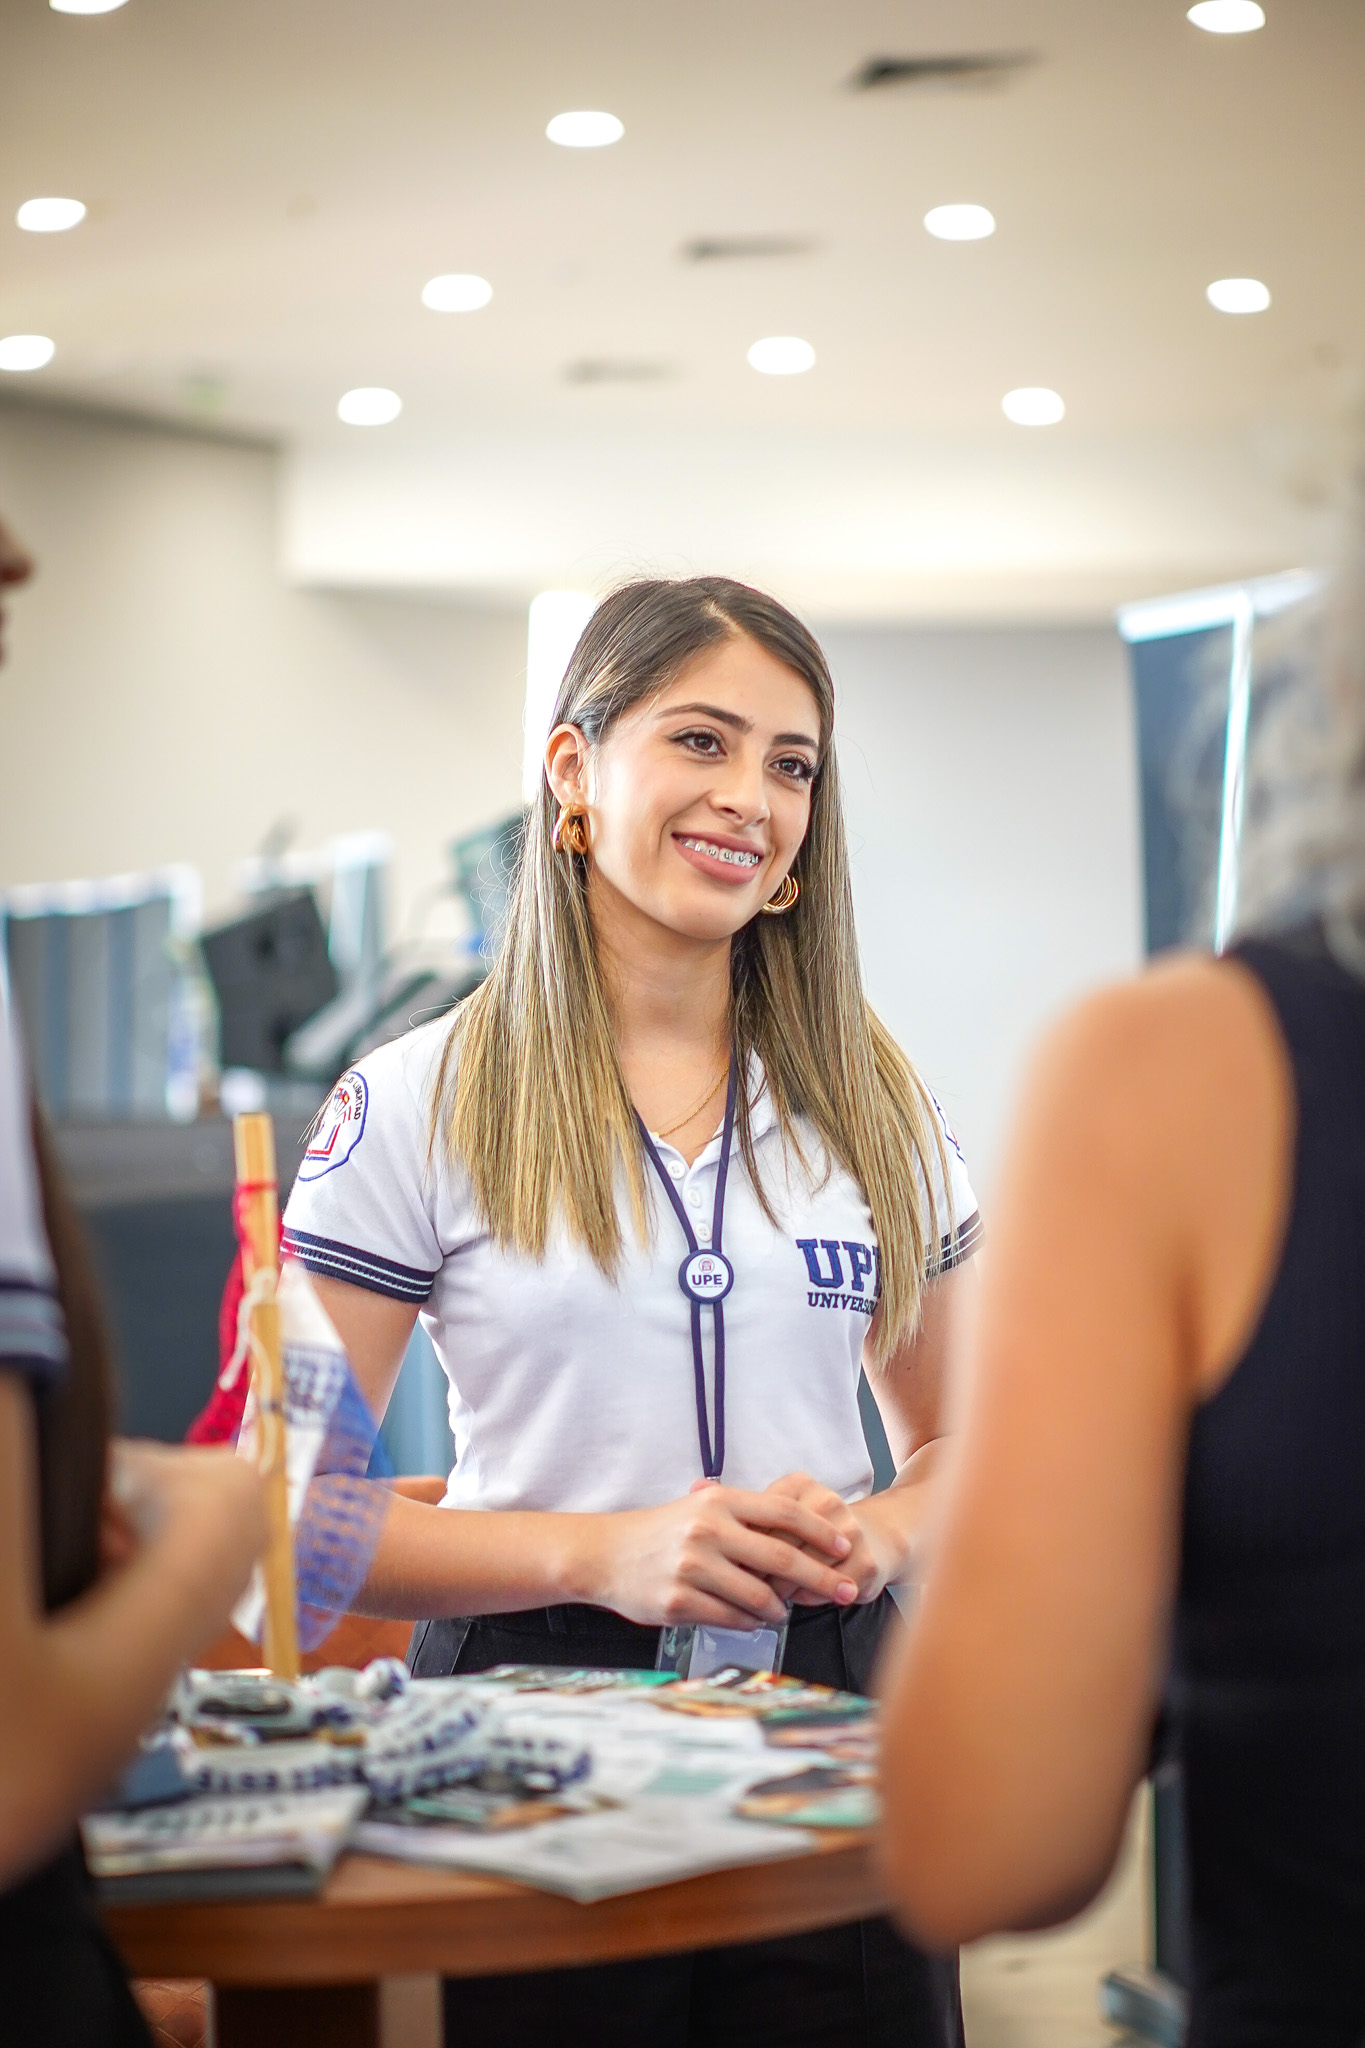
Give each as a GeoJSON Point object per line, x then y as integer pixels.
{"type": "Point", "coordinates": [739, 1559]}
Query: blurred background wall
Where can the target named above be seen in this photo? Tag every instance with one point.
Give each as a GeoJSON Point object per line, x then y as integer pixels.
{"type": "Point", "coordinates": [992, 808]}
{"type": "Point", "coordinates": [168, 696]}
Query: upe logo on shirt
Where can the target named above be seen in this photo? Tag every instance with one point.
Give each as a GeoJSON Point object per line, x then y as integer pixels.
{"type": "Point", "coordinates": [836, 1284]}
{"type": "Point", "coordinates": [339, 1129]}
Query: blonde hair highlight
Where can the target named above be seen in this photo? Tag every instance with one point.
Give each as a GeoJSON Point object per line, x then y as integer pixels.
{"type": "Point", "coordinates": [530, 1097]}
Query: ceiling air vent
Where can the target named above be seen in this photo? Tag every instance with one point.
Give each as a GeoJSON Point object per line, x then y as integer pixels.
{"type": "Point", "coordinates": [745, 248]}
{"type": "Point", "coordinates": [973, 71]}
{"type": "Point", "coordinates": [607, 370]}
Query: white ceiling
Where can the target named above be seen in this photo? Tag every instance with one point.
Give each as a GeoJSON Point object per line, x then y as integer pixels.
{"type": "Point", "coordinates": [270, 183]}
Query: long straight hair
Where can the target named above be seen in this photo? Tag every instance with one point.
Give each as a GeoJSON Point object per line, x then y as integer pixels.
{"type": "Point", "coordinates": [530, 1097]}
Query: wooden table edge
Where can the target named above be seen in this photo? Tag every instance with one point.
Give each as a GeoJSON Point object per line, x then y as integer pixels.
{"type": "Point", "coordinates": [377, 1918]}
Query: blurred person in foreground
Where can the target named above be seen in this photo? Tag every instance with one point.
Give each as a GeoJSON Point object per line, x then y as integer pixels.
{"type": "Point", "coordinates": [1160, 1487]}
{"type": "Point", "coordinates": [114, 1567]}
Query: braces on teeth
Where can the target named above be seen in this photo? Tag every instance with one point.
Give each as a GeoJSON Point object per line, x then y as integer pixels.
{"type": "Point", "coordinates": [739, 860]}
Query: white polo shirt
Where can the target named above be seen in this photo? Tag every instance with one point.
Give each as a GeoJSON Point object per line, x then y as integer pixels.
{"type": "Point", "coordinates": [571, 1391]}
{"type": "Point", "coordinates": [32, 1333]}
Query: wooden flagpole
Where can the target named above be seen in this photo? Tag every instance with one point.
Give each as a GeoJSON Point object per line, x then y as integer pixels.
{"type": "Point", "coordinates": [259, 1216]}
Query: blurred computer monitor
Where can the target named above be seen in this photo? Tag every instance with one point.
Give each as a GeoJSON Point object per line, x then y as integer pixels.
{"type": "Point", "coordinates": [271, 972]}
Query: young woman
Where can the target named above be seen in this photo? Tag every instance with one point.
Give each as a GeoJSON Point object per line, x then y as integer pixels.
{"type": "Point", "coordinates": [670, 1090]}
{"type": "Point", "coordinates": [1161, 1466]}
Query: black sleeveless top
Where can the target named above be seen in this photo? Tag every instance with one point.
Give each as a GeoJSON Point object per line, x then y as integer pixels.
{"type": "Point", "coordinates": [1269, 1663]}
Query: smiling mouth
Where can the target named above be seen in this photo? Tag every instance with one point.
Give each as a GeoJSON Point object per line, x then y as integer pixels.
{"type": "Point", "coordinates": [730, 855]}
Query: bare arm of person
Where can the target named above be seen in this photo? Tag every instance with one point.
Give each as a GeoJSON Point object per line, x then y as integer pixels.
{"type": "Point", "coordinates": [1134, 1236]}
{"type": "Point", "coordinates": [375, 1331]}
{"type": "Point", "coordinates": [702, 1558]}
{"type": "Point", "coordinates": [886, 1531]}
{"type": "Point", "coordinates": [77, 1687]}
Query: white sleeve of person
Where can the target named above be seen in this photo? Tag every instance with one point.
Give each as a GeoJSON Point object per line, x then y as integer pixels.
{"type": "Point", "coordinates": [362, 1208]}
{"type": "Point", "coordinates": [32, 1333]}
{"type": "Point", "coordinates": [957, 1217]}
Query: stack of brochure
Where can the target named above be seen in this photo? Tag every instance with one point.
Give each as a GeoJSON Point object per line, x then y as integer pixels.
{"type": "Point", "coordinates": [281, 1845]}
{"type": "Point", "coordinates": [686, 1778]}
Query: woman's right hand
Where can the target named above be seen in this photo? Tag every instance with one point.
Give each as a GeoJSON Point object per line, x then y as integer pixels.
{"type": "Point", "coordinates": [711, 1557]}
{"type": "Point", "coordinates": [201, 1511]}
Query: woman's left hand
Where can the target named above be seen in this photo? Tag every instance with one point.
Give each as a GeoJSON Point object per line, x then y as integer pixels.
{"type": "Point", "coordinates": [879, 1550]}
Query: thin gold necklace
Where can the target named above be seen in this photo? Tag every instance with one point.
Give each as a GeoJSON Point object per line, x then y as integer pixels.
{"type": "Point", "coordinates": [700, 1106]}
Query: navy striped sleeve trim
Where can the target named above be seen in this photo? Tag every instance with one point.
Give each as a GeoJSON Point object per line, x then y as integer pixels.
{"type": "Point", "coordinates": [32, 1332]}
{"type": "Point", "coordinates": [360, 1269]}
{"type": "Point", "coordinates": [958, 1246]}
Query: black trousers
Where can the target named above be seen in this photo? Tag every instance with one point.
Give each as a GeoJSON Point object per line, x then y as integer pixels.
{"type": "Point", "coordinates": [857, 1986]}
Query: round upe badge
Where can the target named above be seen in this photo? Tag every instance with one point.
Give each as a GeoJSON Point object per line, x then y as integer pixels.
{"type": "Point", "coordinates": [706, 1276]}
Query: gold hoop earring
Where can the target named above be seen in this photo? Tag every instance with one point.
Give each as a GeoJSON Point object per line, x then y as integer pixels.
{"type": "Point", "coordinates": [784, 899]}
{"type": "Point", "coordinates": [571, 832]}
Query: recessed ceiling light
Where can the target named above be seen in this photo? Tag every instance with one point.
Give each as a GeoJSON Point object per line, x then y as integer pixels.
{"type": "Point", "coordinates": [26, 352]}
{"type": "Point", "coordinates": [50, 216]}
{"type": "Point", "coordinates": [84, 6]}
{"type": "Point", "coordinates": [369, 405]}
{"type": "Point", "coordinates": [782, 355]}
{"type": "Point", "coordinates": [585, 130]}
{"type": "Point", "coordinates": [960, 223]}
{"type": "Point", "coordinates": [1032, 405]}
{"type": "Point", "coordinates": [1238, 295]}
{"type": "Point", "coordinates": [1227, 17]}
{"type": "Point", "coordinates": [457, 291]}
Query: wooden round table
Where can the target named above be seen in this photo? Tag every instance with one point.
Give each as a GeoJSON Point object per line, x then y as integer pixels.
{"type": "Point", "coordinates": [300, 1972]}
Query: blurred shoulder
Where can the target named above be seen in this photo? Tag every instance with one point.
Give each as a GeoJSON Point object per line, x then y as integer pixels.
{"type": "Point", "coordinates": [1181, 1052]}
{"type": "Point", "coordinates": [1181, 1008]}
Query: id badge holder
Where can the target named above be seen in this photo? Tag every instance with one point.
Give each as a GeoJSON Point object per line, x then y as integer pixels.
{"type": "Point", "coordinates": [696, 1649]}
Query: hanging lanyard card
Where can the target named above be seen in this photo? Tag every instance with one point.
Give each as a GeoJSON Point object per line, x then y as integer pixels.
{"type": "Point", "coordinates": [695, 1649]}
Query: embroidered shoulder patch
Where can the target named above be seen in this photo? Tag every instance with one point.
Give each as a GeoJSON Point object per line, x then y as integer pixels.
{"type": "Point", "coordinates": [340, 1128]}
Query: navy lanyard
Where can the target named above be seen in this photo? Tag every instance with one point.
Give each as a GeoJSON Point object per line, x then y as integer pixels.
{"type": "Point", "coordinates": [705, 1277]}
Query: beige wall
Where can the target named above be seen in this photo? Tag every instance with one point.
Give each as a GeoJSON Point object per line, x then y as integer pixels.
{"type": "Point", "coordinates": [168, 698]}
{"type": "Point", "coordinates": [991, 787]}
